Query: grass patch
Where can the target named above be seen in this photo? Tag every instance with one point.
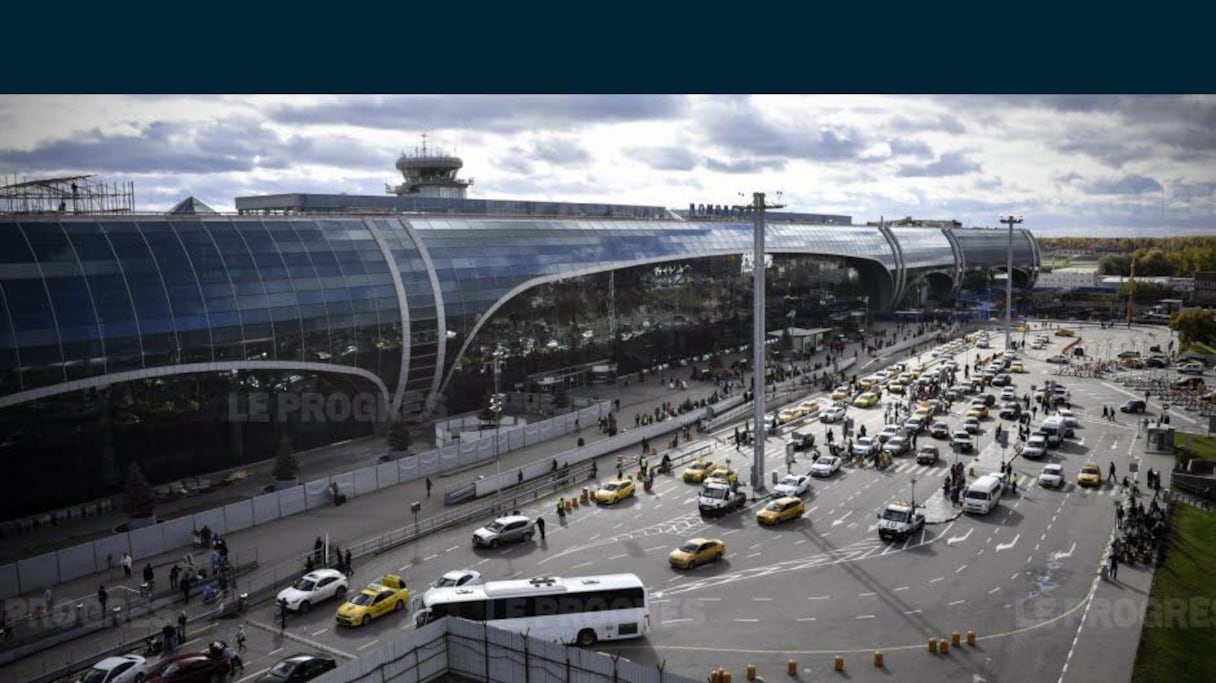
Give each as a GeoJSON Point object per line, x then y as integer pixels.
{"type": "Point", "coordinates": [1202, 447]}
{"type": "Point", "coordinates": [1201, 348]}
{"type": "Point", "coordinates": [1176, 644]}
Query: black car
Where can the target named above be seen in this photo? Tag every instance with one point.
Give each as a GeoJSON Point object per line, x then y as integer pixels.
{"type": "Point", "coordinates": [1157, 362]}
{"type": "Point", "coordinates": [1011, 410]}
{"type": "Point", "coordinates": [989, 400]}
{"type": "Point", "coordinates": [299, 667]}
{"type": "Point", "coordinates": [927, 455]}
{"type": "Point", "coordinates": [1133, 406]}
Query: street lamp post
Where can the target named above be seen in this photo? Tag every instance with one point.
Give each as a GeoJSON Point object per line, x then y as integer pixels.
{"type": "Point", "coordinates": [1011, 221]}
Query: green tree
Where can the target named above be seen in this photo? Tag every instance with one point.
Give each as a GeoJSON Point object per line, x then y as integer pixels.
{"type": "Point", "coordinates": [1194, 325]}
{"type": "Point", "coordinates": [139, 498]}
{"type": "Point", "coordinates": [399, 438]}
{"type": "Point", "coordinates": [286, 467]}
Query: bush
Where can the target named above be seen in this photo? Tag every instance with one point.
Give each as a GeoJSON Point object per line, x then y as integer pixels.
{"type": "Point", "coordinates": [399, 438]}
{"type": "Point", "coordinates": [286, 467]}
{"type": "Point", "coordinates": [139, 498]}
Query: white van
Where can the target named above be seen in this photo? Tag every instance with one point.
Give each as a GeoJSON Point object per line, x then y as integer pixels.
{"type": "Point", "coordinates": [983, 494]}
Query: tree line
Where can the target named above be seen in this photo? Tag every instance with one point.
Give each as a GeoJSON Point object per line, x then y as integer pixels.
{"type": "Point", "coordinates": [1154, 256]}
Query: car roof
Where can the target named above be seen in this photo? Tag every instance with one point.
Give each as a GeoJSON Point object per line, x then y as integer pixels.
{"type": "Point", "coordinates": [512, 518]}
{"type": "Point", "coordinates": [318, 574]}
{"type": "Point", "coordinates": [701, 539]}
{"type": "Point", "coordinates": [111, 662]}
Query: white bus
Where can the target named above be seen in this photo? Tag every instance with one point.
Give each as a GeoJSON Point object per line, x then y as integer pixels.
{"type": "Point", "coordinates": [582, 610]}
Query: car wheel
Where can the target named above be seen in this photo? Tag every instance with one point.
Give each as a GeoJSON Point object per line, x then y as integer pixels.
{"type": "Point", "coordinates": [304, 607]}
{"type": "Point", "coordinates": [493, 543]}
{"type": "Point", "coordinates": [139, 678]}
{"type": "Point", "coordinates": [400, 605]}
{"type": "Point", "coordinates": [527, 537]}
{"type": "Point", "coordinates": [367, 619]}
{"type": "Point", "coordinates": [586, 637]}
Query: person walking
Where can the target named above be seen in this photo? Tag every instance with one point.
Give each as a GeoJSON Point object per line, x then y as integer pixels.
{"type": "Point", "coordinates": [181, 626]}
{"type": "Point", "coordinates": [184, 585]}
{"type": "Point", "coordinates": [282, 609]}
{"type": "Point", "coordinates": [428, 487]}
{"type": "Point", "coordinates": [149, 577]}
{"type": "Point", "coordinates": [1118, 515]}
{"type": "Point", "coordinates": [1110, 476]}
{"type": "Point", "coordinates": [126, 564]}
{"type": "Point", "coordinates": [240, 638]}
{"type": "Point", "coordinates": [174, 574]}
{"type": "Point", "coordinates": [346, 562]}
{"type": "Point", "coordinates": [102, 597]}
{"type": "Point", "coordinates": [49, 599]}
{"type": "Point", "coordinates": [1114, 564]}
{"type": "Point", "coordinates": [540, 526]}
{"type": "Point", "coordinates": [1105, 414]}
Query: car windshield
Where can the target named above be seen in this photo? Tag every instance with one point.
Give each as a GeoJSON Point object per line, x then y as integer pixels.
{"type": "Point", "coordinates": [1090, 470]}
{"type": "Point", "coordinates": [611, 487]}
{"type": "Point", "coordinates": [715, 493]}
{"type": "Point", "coordinates": [94, 676]}
{"type": "Point", "coordinates": [774, 506]}
{"type": "Point", "coordinates": [362, 599]}
{"type": "Point", "coordinates": [895, 515]}
{"type": "Point", "coordinates": [282, 670]}
{"type": "Point", "coordinates": [689, 547]}
{"type": "Point", "coordinates": [699, 466]}
{"type": "Point", "coordinates": [977, 495]}
{"type": "Point", "coordinates": [790, 480]}
{"type": "Point", "coordinates": [1052, 470]}
{"type": "Point", "coordinates": [304, 584]}
{"type": "Point", "coordinates": [829, 461]}
{"type": "Point", "coordinates": [495, 526]}
{"type": "Point", "coordinates": [446, 581]}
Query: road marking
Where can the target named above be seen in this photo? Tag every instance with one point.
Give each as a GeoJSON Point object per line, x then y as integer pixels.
{"type": "Point", "coordinates": [1015, 575]}
{"type": "Point", "coordinates": [819, 597]}
{"type": "Point", "coordinates": [707, 599]}
{"type": "Point", "coordinates": [981, 552]}
{"type": "Point", "coordinates": [407, 566]}
{"type": "Point", "coordinates": [994, 590]}
{"type": "Point", "coordinates": [727, 557]}
{"type": "Point", "coordinates": [1007, 546]}
{"type": "Point", "coordinates": [806, 619]}
{"type": "Point", "coordinates": [960, 569]}
{"type": "Point", "coordinates": [1059, 555]}
{"type": "Point", "coordinates": [940, 578]}
{"type": "Point", "coordinates": [956, 602]}
{"type": "Point", "coordinates": [430, 557]}
{"type": "Point", "coordinates": [747, 621]}
{"type": "Point", "coordinates": [367, 645]}
{"type": "Point", "coordinates": [957, 539]}
{"type": "Point", "coordinates": [728, 533]}
{"type": "Point", "coordinates": [901, 588]}
{"type": "Point", "coordinates": [583, 564]}
{"type": "Point", "coordinates": [912, 611]}
{"type": "Point", "coordinates": [800, 542]}
{"type": "Point", "coordinates": [254, 674]}
{"type": "Point", "coordinates": [614, 528]}
{"type": "Point", "coordinates": [865, 616]}
{"type": "Point", "coordinates": [1042, 537]}
{"type": "Point", "coordinates": [762, 599]}
{"type": "Point", "coordinates": [451, 549]}
{"type": "Point", "coordinates": [841, 520]}
{"type": "Point", "coordinates": [617, 557]}
{"type": "Point", "coordinates": [275, 651]}
{"type": "Point", "coordinates": [650, 550]}
{"type": "Point", "coordinates": [317, 633]}
{"type": "Point", "coordinates": [814, 508]}
{"type": "Point", "coordinates": [864, 595]}
{"type": "Point", "coordinates": [675, 578]}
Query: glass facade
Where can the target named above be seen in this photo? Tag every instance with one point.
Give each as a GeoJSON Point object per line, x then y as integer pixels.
{"type": "Point", "coordinates": [91, 306]}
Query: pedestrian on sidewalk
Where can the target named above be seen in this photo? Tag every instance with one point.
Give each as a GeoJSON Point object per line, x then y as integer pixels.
{"type": "Point", "coordinates": [184, 584]}
{"type": "Point", "coordinates": [346, 561]}
{"type": "Point", "coordinates": [149, 577]}
{"type": "Point", "coordinates": [126, 564]}
{"type": "Point", "coordinates": [282, 609]}
{"type": "Point", "coordinates": [49, 599]}
{"type": "Point", "coordinates": [1118, 515]}
{"type": "Point", "coordinates": [540, 526]}
{"type": "Point", "coordinates": [181, 626]}
{"type": "Point", "coordinates": [1110, 476]}
{"type": "Point", "coordinates": [102, 598]}
{"type": "Point", "coordinates": [174, 573]}
{"type": "Point", "coordinates": [1114, 564]}
{"type": "Point", "coordinates": [428, 487]}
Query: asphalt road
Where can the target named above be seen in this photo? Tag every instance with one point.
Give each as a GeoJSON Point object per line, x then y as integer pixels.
{"type": "Point", "coordinates": [1023, 577]}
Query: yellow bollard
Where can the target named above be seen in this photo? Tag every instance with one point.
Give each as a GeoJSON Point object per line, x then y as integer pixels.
{"type": "Point", "coordinates": [791, 667]}
{"type": "Point", "coordinates": [878, 659]}
{"type": "Point", "coordinates": [725, 676]}
{"type": "Point", "coordinates": [945, 647]}
{"type": "Point", "coordinates": [751, 672]}
{"type": "Point", "coordinates": [584, 496]}
{"type": "Point", "coordinates": [575, 501]}
{"type": "Point", "coordinates": [954, 638]}
{"type": "Point", "coordinates": [971, 638]}
{"type": "Point", "coordinates": [933, 645]}
{"type": "Point", "coordinates": [569, 506]}
{"type": "Point", "coordinates": [839, 664]}
{"type": "Point", "coordinates": [715, 676]}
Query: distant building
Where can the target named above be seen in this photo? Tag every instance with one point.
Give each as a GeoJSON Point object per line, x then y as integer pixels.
{"type": "Point", "coordinates": [1067, 279]}
{"type": "Point", "coordinates": [910, 222]}
{"type": "Point", "coordinates": [1205, 289]}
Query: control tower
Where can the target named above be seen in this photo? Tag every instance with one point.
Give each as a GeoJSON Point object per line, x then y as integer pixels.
{"type": "Point", "coordinates": [430, 174]}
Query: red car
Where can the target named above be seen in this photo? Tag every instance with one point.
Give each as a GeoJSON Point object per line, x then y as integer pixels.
{"type": "Point", "coordinates": [192, 667]}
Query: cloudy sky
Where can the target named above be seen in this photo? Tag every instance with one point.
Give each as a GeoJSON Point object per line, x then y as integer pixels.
{"type": "Point", "coordinates": [1066, 163]}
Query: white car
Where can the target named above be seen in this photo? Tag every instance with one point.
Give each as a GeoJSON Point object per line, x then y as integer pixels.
{"type": "Point", "coordinates": [832, 414]}
{"type": "Point", "coordinates": [124, 669]}
{"type": "Point", "coordinates": [1009, 394]}
{"type": "Point", "coordinates": [1035, 448]}
{"type": "Point", "coordinates": [888, 432]}
{"type": "Point", "coordinates": [315, 586]}
{"type": "Point", "coordinates": [825, 466]}
{"type": "Point", "coordinates": [792, 485]}
{"type": "Point", "coordinates": [458, 577]}
{"type": "Point", "coordinates": [864, 446]}
{"type": "Point", "coordinates": [1052, 476]}
{"type": "Point", "coordinates": [1192, 368]}
{"type": "Point", "coordinates": [1070, 418]}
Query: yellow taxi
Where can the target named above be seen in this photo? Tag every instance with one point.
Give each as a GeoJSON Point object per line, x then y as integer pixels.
{"type": "Point", "coordinates": [1090, 475]}
{"type": "Point", "coordinates": [868, 383]}
{"type": "Point", "coordinates": [896, 387]}
{"type": "Point", "coordinates": [387, 594]}
{"type": "Point", "coordinates": [697, 551]}
{"type": "Point", "coordinates": [614, 491]}
{"type": "Point", "coordinates": [789, 415]}
{"type": "Point", "coordinates": [809, 407]}
{"type": "Point", "coordinates": [978, 411]}
{"type": "Point", "coordinates": [841, 393]}
{"type": "Point", "coordinates": [1016, 366]}
{"type": "Point", "coordinates": [1065, 332]}
{"type": "Point", "coordinates": [723, 475]}
{"type": "Point", "coordinates": [781, 510]}
{"type": "Point", "coordinates": [696, 472]}
{"type": "Point", "coordinates": [866, 400]}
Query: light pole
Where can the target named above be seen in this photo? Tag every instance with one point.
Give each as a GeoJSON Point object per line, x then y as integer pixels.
{"type": "Point", "coordinates": [496, 409]}
{"type": "Point", "coordinates": [1011, 220]}
{"type": "Point", "coordinates": [758, 347]}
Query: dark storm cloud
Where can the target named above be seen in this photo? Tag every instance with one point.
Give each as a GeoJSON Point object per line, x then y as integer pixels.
{"type": "Point", "coordinates": [1129, 184]}
{"type": "Point", "coordinates": [949, 164]}
{"type": "Point", "coordinates": [742, 128]}
{"type": "Point", "coordinates": [909, 147]}
{"type": "Point", "coordinates": [665, 158]}
{"type": "Point", "coordinates": [159, 147]}
{"type": "Point", "coordinates": [745, 165]}
{"type": "Point", "coordinates": [501, 113]}
{"type": "Point", "coordinates": [560, 152]}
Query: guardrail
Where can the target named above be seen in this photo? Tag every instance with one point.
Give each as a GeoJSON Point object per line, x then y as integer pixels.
{"type": "Point", "coordinates": [1200, 487]}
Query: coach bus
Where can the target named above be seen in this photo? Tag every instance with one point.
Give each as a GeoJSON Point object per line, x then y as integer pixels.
{"type": "Point", "coordinates": [582, 610]}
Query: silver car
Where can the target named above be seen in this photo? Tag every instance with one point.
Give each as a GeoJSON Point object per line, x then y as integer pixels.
{"type": "Point", "coordinates": [504, 530]}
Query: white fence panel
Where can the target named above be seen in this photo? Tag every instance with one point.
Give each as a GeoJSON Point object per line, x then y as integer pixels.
{"type": "Point", "coordinates": [178, 532]}
{"type": "Point", "coordinates": [291, 501]}
{"type": "Point", "coordinates": [386, 475]}
{"type": "Point", "coordinates": [36, 572]}
{"type": "Point", "coordinates": [408, 469]}
{"type": "Point", "coordinates": [147, 542]}
{"type": "Point", "coordinates": [237, 516]}
{"type": "Point", "coordinates": [10, 583]}
{"type": "Point", "coordinates": [316, 494]}
{"type": "Point", "coordinates": [365, 480]}
{"type": "Point", "coordinates": [108, 551]}
{"type": "Point", "coordinates": [516, 439]}
{"type": "Point", "coordinates": [531, 434]}
{"type": "Point", "coordinates": [77, 561]}
{"type": "Point", "coordinates": [213, 519]}
{"type": "Point", "coordinates": [266, 507]}
{"type": "Point", "coordinates": [345, 482]}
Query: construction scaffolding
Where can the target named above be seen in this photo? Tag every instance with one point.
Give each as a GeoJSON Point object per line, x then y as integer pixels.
{"type": "Point", "coordinates": [72, 194]}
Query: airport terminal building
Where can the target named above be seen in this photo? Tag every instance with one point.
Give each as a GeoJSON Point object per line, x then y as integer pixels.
{"type": "Point", "coordinates": [125, 337]}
